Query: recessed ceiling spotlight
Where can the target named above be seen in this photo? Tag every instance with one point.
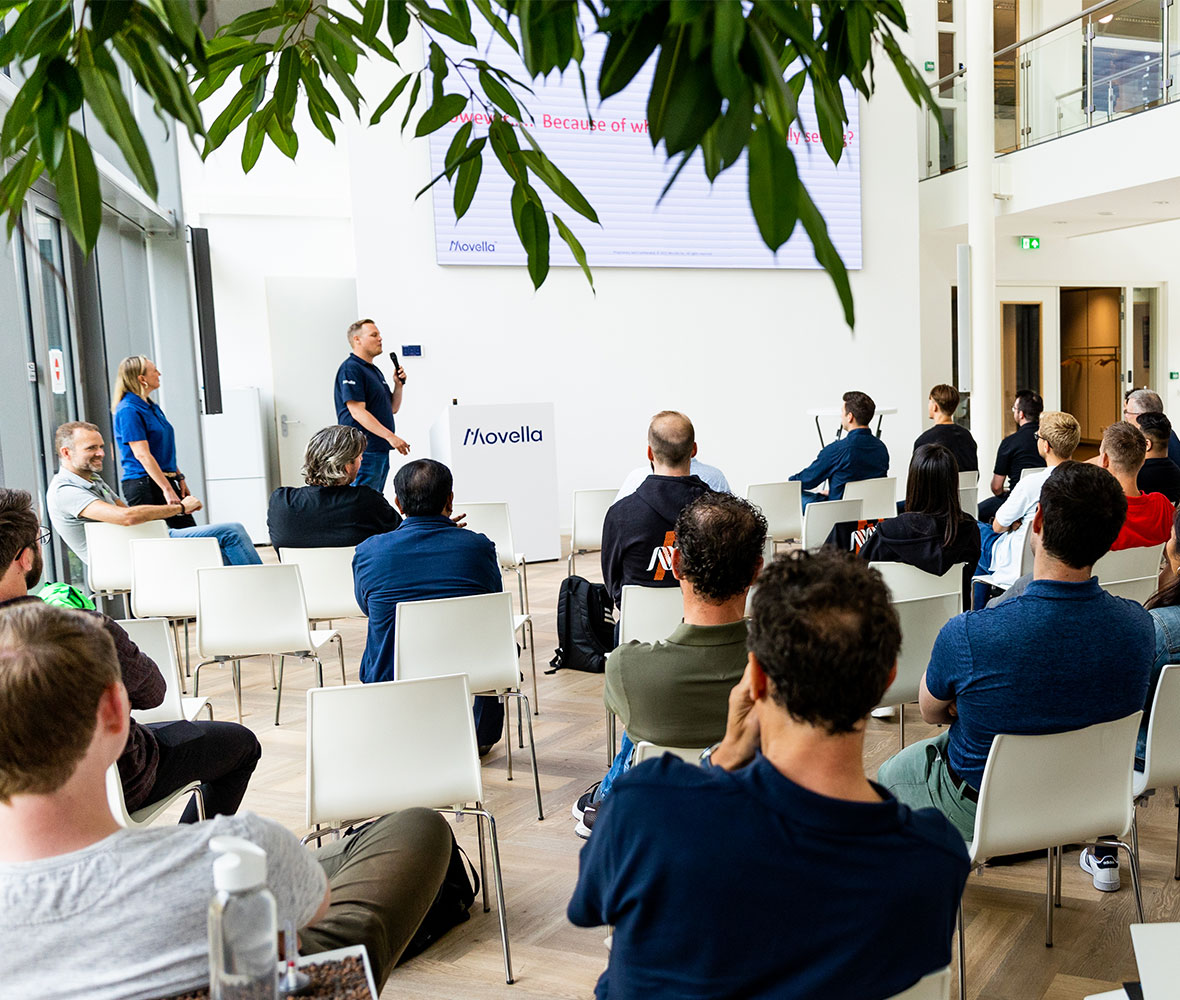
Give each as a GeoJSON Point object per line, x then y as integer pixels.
{"type": "Point", "coordinates": [1106, 213]}
{"type": "Point", "coordinates": [1061, 222]}
{"type": "Point", "coordinates": [1106, 20]}
{"type": "Point", "coordinates": [1161, 202]}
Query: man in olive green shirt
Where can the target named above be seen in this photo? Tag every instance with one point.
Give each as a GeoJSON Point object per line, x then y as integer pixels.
{"type": "Point", "coordinates": [676, 692]}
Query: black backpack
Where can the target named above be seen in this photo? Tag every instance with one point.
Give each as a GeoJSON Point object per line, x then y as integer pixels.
{"type": "Point", "coordinates": [585, 629]}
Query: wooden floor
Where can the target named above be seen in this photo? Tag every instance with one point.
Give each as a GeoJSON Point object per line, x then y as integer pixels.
{"type": "Point", "coordinates": [1004, 907]}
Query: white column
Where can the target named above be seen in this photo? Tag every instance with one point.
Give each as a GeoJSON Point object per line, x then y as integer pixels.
{"type": "Point", "coordinates": [986, 405]}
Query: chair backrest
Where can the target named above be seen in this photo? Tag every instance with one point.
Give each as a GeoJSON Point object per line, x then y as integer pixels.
{"type": "Point", "coordinates": [907, 583]}
{"type": "Point", "coordinates": [1035, 793]}
{"type": "Point", "coordinates": [115, 799]}
{"type": "Point", "coordinates": [823, 515]}
{"type": "Point", "coordinates": [782, 506]}
{"type": "Point", "coordinates": [248, 610]}
{"type": "Point", "coordinates": [589, 511]}
{"type": "Point", "coordinates": [645, 750]}
{"type": "Point", "coordinates": [327, 580]}
{"type": "Point", "coordinates": [154, 639]}
{"type": "Point", "coordinates": [458, 635]}
{"type": "Point", "coordinates": [969, 479]}
{"type": "Point", "coordinates": [1162, 758]}
{"type": "Point", "coordinates": [969, 499]}
{"type": "Point", "coordinates": [649, 614]}
{"type": "Point", "coordinates": [493, 520]}
{"type": "Point", "coordinates": [1026, 552]}
{"type": "Point", "coordinates": [1131, 573]}
{"type": "Point", "coordinates": [921, 620]}
{"type": "Point", "coordinates": [935, 986]}
{"type": "Point", "coordinates": [108, 549]}
{"type": "Point", "coordinates": [377, 748]}
{"type": "Point", "coordinates": [879, 496]}
{"type": "Point", "coordinates": [164, 575]}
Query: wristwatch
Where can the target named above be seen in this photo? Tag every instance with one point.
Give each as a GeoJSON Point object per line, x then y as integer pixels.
{"type": "Point", "coordinates": [706, 758]}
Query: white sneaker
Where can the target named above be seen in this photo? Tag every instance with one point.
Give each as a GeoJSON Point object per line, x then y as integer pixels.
{"type": "Point", "coordinates": [1104, 870]}
{"type": "Point", "coordinates": [888, 712]}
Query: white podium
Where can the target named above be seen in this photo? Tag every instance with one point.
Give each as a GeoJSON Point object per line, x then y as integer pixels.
{"type": "Point", "coordinates": [506, 452]}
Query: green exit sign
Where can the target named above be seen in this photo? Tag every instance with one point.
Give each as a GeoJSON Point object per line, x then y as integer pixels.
{"type": "Point", "coordinates": [1030, 243]}
{"type": "Point", "coordinates": [929, 65]}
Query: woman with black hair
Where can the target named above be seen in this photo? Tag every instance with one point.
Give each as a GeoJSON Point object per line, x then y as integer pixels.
{"type": "Point", "coordinates": [933, 533]}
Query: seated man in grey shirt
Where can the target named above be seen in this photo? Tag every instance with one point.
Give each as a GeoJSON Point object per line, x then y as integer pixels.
{"type": "Point", "coordinates": [78, 494]}
{"type": "Point", "coordinates": [95, 910]}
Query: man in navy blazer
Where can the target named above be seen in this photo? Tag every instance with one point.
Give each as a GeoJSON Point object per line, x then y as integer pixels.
{"type": "Point", "coordinates": [427, 557]}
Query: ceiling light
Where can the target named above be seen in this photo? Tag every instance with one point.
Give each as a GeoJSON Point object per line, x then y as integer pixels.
{"type": "Point", "coordinates": [1106, 213]}
{"type": "Point", "coordinates": [1061, 222]}
{"type": "Point", "coordinates": [1106, 20]}
{"type": "Point", "coordinates": [1161, 203]}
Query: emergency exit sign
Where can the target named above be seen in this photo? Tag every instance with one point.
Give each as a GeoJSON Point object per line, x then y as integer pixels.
{"type": "Point", "coordinates": [1030, 243]}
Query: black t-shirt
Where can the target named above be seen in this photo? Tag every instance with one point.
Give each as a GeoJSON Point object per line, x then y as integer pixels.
{"type": "Point", "coordinates": [1160, 475]}
{"type": "Point", "coordinates": [309, 517]}
{"type": "Point", "coordinates": [955, 438]}
{"type": "Point", "coordinates": [1018, 452]}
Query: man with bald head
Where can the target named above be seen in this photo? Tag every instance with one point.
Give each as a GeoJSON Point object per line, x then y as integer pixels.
{"type": "Point", "coordinates": [639, 533]}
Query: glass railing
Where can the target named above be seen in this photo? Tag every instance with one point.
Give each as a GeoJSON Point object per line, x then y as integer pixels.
{"type": "Point", "coordinates": [1115, 59]}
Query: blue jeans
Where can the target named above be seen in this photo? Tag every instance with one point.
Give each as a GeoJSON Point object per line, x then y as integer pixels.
{"type": "Point", "coordinates": [807, 497]}
{"type": "Point", "coordinates": [987, 542]}
{"type": "Point", "coordinates": [622, 762]}
{"type": "Point", "coordinates": [374, 470]}
{"type": "Point", "coordinates": [237, 548]}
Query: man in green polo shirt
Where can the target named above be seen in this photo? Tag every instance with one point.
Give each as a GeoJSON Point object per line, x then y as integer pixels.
{"type": "Point", "coordinates": [676, 692]}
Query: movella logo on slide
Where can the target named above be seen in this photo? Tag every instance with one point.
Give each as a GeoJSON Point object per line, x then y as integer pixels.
{"type": "Point", "coordinates": [523, 435]}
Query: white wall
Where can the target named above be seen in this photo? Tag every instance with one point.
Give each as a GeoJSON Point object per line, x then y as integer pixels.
{"type": "Point", "coordinates": [744, 353]}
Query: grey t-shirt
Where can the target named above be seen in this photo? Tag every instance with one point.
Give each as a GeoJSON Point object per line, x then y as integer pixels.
{"type": "Point", "coordinates": [68, 495]}
{"type": "Point", "coordinates": [125, 919]}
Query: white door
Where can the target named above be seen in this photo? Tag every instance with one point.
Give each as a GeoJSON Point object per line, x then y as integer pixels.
{"type": "Point", "coordinates": [308, 319]}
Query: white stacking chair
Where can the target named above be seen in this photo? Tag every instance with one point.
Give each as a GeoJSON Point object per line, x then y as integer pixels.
{"type": "Point", "coordinates": [1026, 558]}
{"type": "Point", "coordinates": [327, 581]}
{"type": "Point", "coordinates": [589, 512]}
{"type": "Point", "coordinates": [1161, 760]}
{"type": "Point", "coordinates": [1030, 470]}
{"type": "Point", "coordinates": [108, 549]}
{"type": "Point", "coordinates": [149, 813]}
{"type": "Point", "coordinates": [879, 496]}
{"type": "Point", "coordinates": [421, 735]}
{"type": "Point", "coordinates": [1035, 796]}
{"type": "Point", "coordinates": [645, 750]}
{"type": "Point", "coordinates": [782, 506]}
{"type": "Point", "coordinates": [493, 520]}
{"type": "Point", "coordinates": [466, 635]}
{"type": "Point", "coordinates": [649, 614]}
{"type": "Point", "coordinates": [969, 479]}
{"type": "Point", "coordinates": [1131, 573]}
{"type": "Point", "coordinates": [151, 636]}
{"type": "Point", "coordinates": [821, 516]}
{"type": "Point", "coordinates": [164, 580]}
{"type": "Point", "coordinates": [246, 611]}
{"type": "Point", "coordinates": [969, 499]}
{"type": "Point", "coordinates": [935, 986]}
{"type": "Point", "coordinates": [908, 583]}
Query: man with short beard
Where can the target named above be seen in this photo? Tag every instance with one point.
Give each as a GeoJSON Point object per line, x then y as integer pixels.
{"type": "Point", "coordinates": [161, 757]}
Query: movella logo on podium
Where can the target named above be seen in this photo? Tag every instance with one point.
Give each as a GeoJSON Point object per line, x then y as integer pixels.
{"type": "Point", "coordinates": [524, 435]}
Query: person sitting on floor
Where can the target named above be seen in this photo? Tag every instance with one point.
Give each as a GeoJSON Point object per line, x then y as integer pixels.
{"type": "Point", "coordinates": [674, 693]}
{"type": "Point", "coordinates": [94, 910]}
{"type": "Point", "coordinates": [1159, 473]}
{"type": "Point", "coordinates": [784, 814]}
{"type": "Point", "coordinates": [858, 455]}
{"type": "Point", "coordinates": [329, 511]}
{"type": "Point", "coordinates": [1149, 515]}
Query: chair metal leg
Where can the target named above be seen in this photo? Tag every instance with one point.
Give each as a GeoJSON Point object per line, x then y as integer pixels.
{"type": "Point", "coordinates": [279, 690]}
{"type": "Point", "coordinates": [209, 708]}
{"type": "Point", "coordinates": [569, 564]}
{"type": "Point", "coordinates": [1057, 876]}
{"type": "Point", "coordinates": [1176, 797]}
{"type": "Point", "coordinates": [1050, 866]}
{"type": "Point", "coordinates": [319, 671]}
{"type": "Point", "coordinates": [237, 677]}
{"type": "Point", "coordinates": [483, 861]}
{"type": "Point", "coordinates": [186, 655]}
{"type": "Point", "coordinates": [901, 725]}
{"type": "Point", "coordinates": [1134, 859]}
{"type": "Point", "coordinates": [274, 683]}
{"type": "Point", "coordinates": [176, 646]}
{"type": "Point", "coordinates": [200, 797]}
{"type": "Point", "coordinates": [611, 748]}
{"type": "Point", "coordinates": [507, 736]}
{"type": "Point", "coordinates": [495, 844]}
{"type": "Point", "coordinates": [962, 956]}
{"type": "Point", "coordinates": [524, 575]}
{"type": "Point", "coordinates": [533, 656]}
{"type": "Point", "coordinates": [521, 696]}
{"type": "Point", "coordinates": [340, 652]}
{"type": "Point", "coordinates": [1135, 828]}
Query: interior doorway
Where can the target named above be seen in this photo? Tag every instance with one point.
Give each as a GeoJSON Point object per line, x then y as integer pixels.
{"type": "Point", "coordinates": [1091, 359]}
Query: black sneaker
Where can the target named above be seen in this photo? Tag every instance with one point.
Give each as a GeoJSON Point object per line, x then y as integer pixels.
{"type": "Point", "coordinates": [584, 799]}
{"type": "Point", "coordinates": [586, 823]}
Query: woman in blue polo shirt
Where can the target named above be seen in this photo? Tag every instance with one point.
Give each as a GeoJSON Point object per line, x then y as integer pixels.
{"type": "Point", "coordinates": [146, 440]}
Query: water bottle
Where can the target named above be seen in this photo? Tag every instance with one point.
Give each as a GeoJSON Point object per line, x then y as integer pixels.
{"type": "Point", "coordinates": [243, 936]}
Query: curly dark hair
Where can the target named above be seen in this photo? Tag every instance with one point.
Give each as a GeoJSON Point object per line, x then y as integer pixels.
{"type": "Point", "coordinates": [825, 634]}
{"type": "Point", "coordinates": [720, 538]}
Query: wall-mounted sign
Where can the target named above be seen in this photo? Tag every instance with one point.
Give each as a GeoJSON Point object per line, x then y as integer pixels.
{"type": "Point", "coordinates": [57, 371]}
{"type": "Point", "coordinates": [1030, 243]}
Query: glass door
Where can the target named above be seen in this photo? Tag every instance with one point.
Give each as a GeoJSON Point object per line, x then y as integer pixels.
{"type": "Point", "coordinates": [1027, 317]}
{"type": "Point", "coordinates": [1144, 363]}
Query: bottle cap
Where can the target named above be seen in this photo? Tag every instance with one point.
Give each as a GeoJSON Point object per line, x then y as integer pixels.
{"type": "Point", "coordinates": [241, 866]}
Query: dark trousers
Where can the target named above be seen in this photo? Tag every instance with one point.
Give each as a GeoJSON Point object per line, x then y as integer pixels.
{"type": "Point", "coordinates": [145, 491]}
{"type": "Point", "coordinates": [220, 755]}
{"type": "Point", "coordinates": [489, 720]}
{"type": "Point", "coordinates": [988, 507]}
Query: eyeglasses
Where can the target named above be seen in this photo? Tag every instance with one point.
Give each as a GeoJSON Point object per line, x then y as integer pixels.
{"type": "Point", "coordinates": [44, 536]}
{"type": "Point", "coordinates": [1037, 435]}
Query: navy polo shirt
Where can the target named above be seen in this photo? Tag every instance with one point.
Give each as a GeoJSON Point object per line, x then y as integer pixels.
{"type": "Point", "coordinates": [760, 888]}
{"type": "Point", "coordinates": [139, 419]}
{"type": "Point", "coordinates": [361, 381]}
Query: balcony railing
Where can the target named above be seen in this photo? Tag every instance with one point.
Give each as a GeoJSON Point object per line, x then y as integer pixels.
{"type": "Point", "coordinates": [1115, 59]}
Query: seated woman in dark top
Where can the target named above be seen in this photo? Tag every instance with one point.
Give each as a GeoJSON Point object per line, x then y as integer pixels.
{"type": "Point", "coordinates": [329, 511]}
{"type": "Point", "coordinates": [933, 533]}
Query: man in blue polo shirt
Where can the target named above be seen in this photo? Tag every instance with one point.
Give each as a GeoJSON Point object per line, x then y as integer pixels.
{"type": "Point", "coordinates": [1063, 655]}
{"type": "Point", "coordinates": [858, 455]}
{"type": "Point", "coordinates": [363, 399]}
{"type": "Point", "coordinates": [429, 556]}
{"type": "Point", "coordinates": [783, 814]}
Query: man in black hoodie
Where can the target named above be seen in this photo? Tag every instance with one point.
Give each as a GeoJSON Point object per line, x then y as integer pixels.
{"type": "Point", "coordinates": [639, 534]}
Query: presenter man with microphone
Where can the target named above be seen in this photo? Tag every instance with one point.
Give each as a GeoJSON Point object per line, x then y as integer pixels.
{"type": "Point", "coordinates": [364, 400]}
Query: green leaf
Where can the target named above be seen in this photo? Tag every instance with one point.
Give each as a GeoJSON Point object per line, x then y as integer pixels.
{"type": "Point", "coordinates": [466, 182]}
{"type": "Point", "coordinates": [333, 39]}
{"type": "Point", "coordinates": [558, 183]}
{"type": "Point", "coordinates": [234, 114]}
{"type": "Point", "coordinates": [448, 24]}
{"type": "Point", "coordinates": [373, 16]}
{"type": "Point", "coordinates": [732, 130]}
{"type": "Point", "coordinates": [104, 94]}
{"type": "Point", "coordinates": [438, 70]}
{"type": "Point", "coordinates": [19, 122]}
{"type": "Point", "coordinates": [320, 120]}
{"type": "Point", "coordinates": [78, 194]}
{"type": "Point", "coordinates": [831, 116]}
{"type": "Point", "coordinates": [825, 252]}
{"type": "Point", "coordinates": [283, 136]}
{"type": "Point", "coordinates": [397, 18]}
{"type": "Point", "coordinates": [107, 18]}
{"type": "Point", "coordinates": [317, 93]}
{"type": "Point", "coordinates": [684, 100]}
{"type": "Point", "coordinates": [392, 96]}
{"type": "Point", "coordinates": [628, 50]}
{"type": "Point", "coordinates": [779, 102]}
{"type": "Point", "coordinates": [497, 23]}
{"type": "Point", "coordinates": [729, 32]}
{"type": "Point", "coordinates": [532, 226]}
{"type": "Point", "coordinates": [499, 95]}
{"type": "Point", "coordinates": [461, 11]}
{"type": "Point", "coordinates": [439, 113]}
{"type": "Point", "coordinates": [287, 86]}
{"type": "Point", "coordinates": [15, 41]}
{"type": "Point", "coordinates": [65, 86]}
{"type": "Point", "coordinates": [179, 15]}
{"type": "Point", "coordinates": [413, 99]}
{"type": "Point", "coordinates": [773, 186]}
{"type": "Point", "coordinates": [449, 165]}
{"type": "Point", "coordinates": [327, 59]}
{"type": "Point", "coordinates": [576, 249]}
{"type": "Point", "coordinates": [16, 183]}
{"type": "Point", "coordinates": [253, 23]}
{"type": "Point", "coordinates": [507, 150]}
{"type": "Point", "coordinates": [457, 147]}
{"type": "Point", "coordinates": [255, 136]}
{"type": "Point", "coordinates": [51, 134]}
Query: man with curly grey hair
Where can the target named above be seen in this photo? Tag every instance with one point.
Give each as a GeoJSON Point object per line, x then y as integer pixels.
{"type": "Point", "coordinates": [674, 693]}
